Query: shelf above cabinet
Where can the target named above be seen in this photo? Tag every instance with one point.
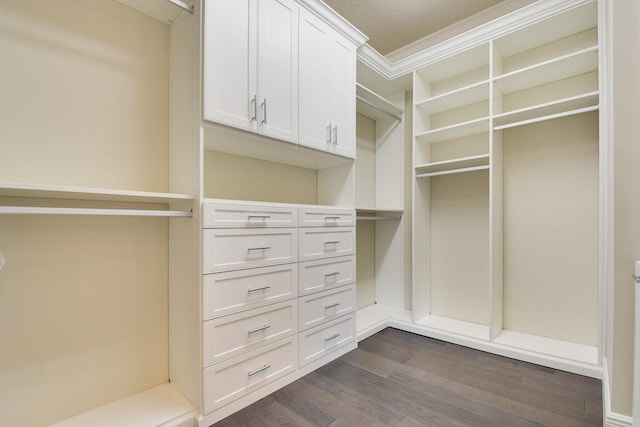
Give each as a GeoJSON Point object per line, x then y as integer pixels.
{"type": "Point", "coordinates": [573, 64]}
{"type": "Point", "coordinates": [458, 130]}
{"type": "Point", "coordinates": [550, 110]}
{"type": "Point", "coordinates": [465, 164]}
{"type": "Point", "coordinates": [367, 214]}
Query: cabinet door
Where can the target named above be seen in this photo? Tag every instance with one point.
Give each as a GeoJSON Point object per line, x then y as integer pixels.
{"type": "Point", "coordinates": [343, 96]}
{"type": "Point", "coordinates": [314, 82]}
{"type": "Point", "coordinates": [229, 62]}
{"type": "Point", "coordinates": [278, 69]}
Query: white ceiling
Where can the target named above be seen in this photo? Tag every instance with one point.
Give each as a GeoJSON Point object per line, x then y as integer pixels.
{"type": "Point", "coordinates": [394, 24]}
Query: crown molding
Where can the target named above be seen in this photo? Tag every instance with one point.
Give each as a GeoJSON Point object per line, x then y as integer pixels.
{"type": "Point", "coordinates": [338, 22]}
{"type": "Point", "coordinates": [481, 34]}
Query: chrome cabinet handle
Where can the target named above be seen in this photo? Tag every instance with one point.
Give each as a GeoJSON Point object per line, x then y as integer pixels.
{"type": "Point", "coordinates": [332, 242]}
{"type": "Point", "coordinates": [332, 337]}
{"type": "Point", "coordinates": [260, 329]}
{"type": "Point", "coordinates": [329, 134]}
{"type": "Point", "coordinates": [335, 135]}
{"type": "Point", "coordinates": [335, 304]}
{"type": "Point", "coordinates": [264, 111]}
{"type": "Point", "coordinates": [261, 248]}
{"type": "Point", "coordinates": [330, 218]}
{"type": "Point", "coordinates": [261, 288]}
{"type": "Point", "coordinates": [262, 217]}
{"type": "Point", "coordinates": [257, 371]}
{"type": "Point", "coordinates": [255, 108]}
{"type": "Point", "coordinates": [335, 273]}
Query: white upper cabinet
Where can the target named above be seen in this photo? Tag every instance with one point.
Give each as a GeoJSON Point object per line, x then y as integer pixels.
{"type": "Point", "coordinates": [327, 87]}
{"type": "Point", "coordinates": [251, 65]}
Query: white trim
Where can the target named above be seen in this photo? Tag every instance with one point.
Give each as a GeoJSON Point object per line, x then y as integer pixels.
{"type": "Point", "coordinates": [478, 35]}
{"type": "Point", "coordinates": [611, 419]}
{"type": "Point", "coordinates": [335, 20]}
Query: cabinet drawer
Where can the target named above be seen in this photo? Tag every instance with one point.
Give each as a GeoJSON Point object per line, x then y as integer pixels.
{"type": "Point", "coordinates": [324, 339]}
{"type": "Point", "coordinates": [325, 274]}
{"type": "Point", "coordinates": [246, 216]}
{"type": "Point", "coordinates": [321, 242]}
{"type": "Point", "coordinates": [234, 378]}
{"type": "Point", "coordinates": [319, 308]}
{"type": "Point", "coordinates": [231, 249]}
{"type": "Point", "coordinates": [231, 292]}
{"type": "Point", "coordinates": [231, 335]}
{"type": "Point", "coordinates": [310, 217]}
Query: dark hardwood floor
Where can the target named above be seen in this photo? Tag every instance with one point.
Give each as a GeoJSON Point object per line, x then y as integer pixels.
{"type": "Point", "coordinates": [396, 378]}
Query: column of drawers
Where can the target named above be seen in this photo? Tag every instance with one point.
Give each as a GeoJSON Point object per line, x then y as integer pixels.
{"type": "Point", "coordinates": [327, 297]}
{"type": "Point", "coordinates": [250, 306]}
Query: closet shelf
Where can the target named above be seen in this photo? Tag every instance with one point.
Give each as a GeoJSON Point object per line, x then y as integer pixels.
{"type": "Point", "coordinates": [379, 214]}
{"type": "Point", "coordinates": [454, 326]}
{"type": "Point", "coordinates": [458, 130]}
{"type": "Point", "coordinates": [456, 98]}
{"type": "Point", "coordinates": [464, 164]}
{"type": "Point", "coordinates": [552, 347]}
{"type": "Point", "coordinates": [560, 108]}
{"type": "Point", "coordinates": [11, 189]}
{"type": "Point", "coordinates": [573, 64]}
{"type": "Point", "coordinates": [37, 191]}
{"type": "Point", "coordinates": [372, 105]}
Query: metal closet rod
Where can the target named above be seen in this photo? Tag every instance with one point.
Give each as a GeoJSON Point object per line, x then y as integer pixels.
{"type": "Point", "coordinates": [382, 110]}
{"type": "Point", "coordinates": [181, 5]}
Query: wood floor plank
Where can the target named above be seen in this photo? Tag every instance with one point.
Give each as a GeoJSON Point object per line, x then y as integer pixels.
{"type": "Point", "coordinates": [395, 378]}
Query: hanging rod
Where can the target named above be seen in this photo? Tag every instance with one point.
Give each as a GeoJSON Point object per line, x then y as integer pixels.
{"type": "Point", "coordinates": [374, 106]}
{"type": "Point", "coordinates": [378, 218]}
{"type": "Point", "coordinates": [30, 210]}
{"type": "Point", "coordinates": [446, 172]}
{"type": "Point", "coordinates": [182, 5]}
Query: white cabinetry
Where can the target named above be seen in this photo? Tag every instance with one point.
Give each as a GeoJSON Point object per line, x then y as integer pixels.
{"type": "Point", "coordinates": [251, 65]}
{"type": "Point", "coordinates": [327, 87]}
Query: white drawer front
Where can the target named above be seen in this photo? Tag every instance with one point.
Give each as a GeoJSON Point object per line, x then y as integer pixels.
{"type": "Point", "coordinates": [229, 336]}
{"type": "Point", "coordinates": [319, 308]}
{"type": "Point", "coordinates": [326, 338]}
{"type": "Point", "coordinates": [318, 243]}
{"type": "Point", "coordinates": [231, 249]}
{"type": "Point", "coordinates": [310, 217]}
{"type": "Point", "coordinates": [231, 292]}
{"type": "Point", "coordinates": [246, 216]}
{"type": "Point", "coordinates": [232, 379]}
{"type": "Point", "coordinates": [324, 274]}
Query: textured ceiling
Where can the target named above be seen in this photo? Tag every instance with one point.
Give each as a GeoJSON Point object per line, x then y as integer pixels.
{"type": "Point", "coordinates": [392, 24]}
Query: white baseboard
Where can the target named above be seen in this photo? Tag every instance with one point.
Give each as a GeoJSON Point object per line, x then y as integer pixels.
{"type": "Point", "coordinates": [611, 419]}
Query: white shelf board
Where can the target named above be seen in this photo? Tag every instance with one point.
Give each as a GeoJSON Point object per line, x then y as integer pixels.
{"type": "Point", "coordinates": [467, 60]}
{"type": "Point", "coordinates": [374, 106]}
{"type": "Point", "coordinates": [466, 95]}
{"type": "Point", "coordinates": [159, 406]}
{"type": "Point", "coordinates": [458, 327]}
{"type": "Point", "coordinates": [33, 210]}
{"type": "Point", "coordinates": [376, 317]}
{"type": "Point", "coordinates": [548, 346]}
{"type": "Point", "coordinates": [453, 165]}
{"type": "Point", "coordinates": [573, 64]}
{"type": "Point", "coordinates": [458, 130]}
{"type": "Point", "coordinates": [13, 189]}
{"type": "Point", "coordinates": [549, 109]}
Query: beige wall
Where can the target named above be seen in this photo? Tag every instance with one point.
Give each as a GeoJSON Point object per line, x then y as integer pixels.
{"type": "Point", "coordinates": [626, 181]}
{"type": "Point", "coordinates": [83, 300]}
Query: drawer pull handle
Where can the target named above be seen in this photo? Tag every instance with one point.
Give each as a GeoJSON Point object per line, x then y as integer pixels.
{"type": "Point", "coordinates": [332, 337]}
{"type": "Point", "coordinates": [335, 304]}
{"type": "Point", "coordinates": [261, 288]}
{"type": "Point", "coordinates": [260, 329]}
{"type": "Point", "coordinates": [257, 371]}
{"type": "Point", "coordinates": [335, 273]}
{"type": "Point", "coordinates": [332, 242]}
{"type": "Point", "coordinates": [260, 217]}
{"type": "Point", "coordinates": [261, 248]}
{"type": "Point", "coordinates": [331, 218]}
